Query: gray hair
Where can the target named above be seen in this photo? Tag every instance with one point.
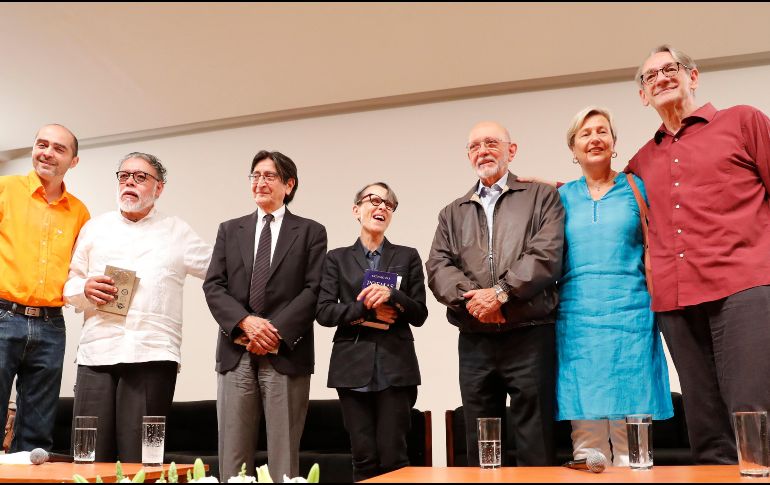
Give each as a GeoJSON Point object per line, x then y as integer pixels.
{"type": "Point", "coordinates": [580, 118]}
{"type": "Point", "coordinates": [160, 170]}
{"type": "Point", "coordinates": [390, 194]}
{"type": "Point", "coordinates": [678, 56]}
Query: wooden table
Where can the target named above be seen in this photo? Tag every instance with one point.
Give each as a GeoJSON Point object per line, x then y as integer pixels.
{"type": "Point", "coordinates": [715, 473]}
{"type": "Point", "coordinates": [62, 472]}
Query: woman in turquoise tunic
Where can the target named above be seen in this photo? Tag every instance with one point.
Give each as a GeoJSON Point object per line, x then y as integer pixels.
{"type": "Point", "coordinates": [610, 356]}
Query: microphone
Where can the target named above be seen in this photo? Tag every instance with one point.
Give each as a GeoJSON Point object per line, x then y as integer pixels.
{"type": "Point", "coordinates": [38, 456]}
{"type": "Point", "coordinates": [594, 462]}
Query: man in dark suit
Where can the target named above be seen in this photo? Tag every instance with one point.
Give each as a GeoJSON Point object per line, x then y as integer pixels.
{"type": "Point", "coordinates": [374, 369]}
{"type": "Point", "coordinates": [261, 287]}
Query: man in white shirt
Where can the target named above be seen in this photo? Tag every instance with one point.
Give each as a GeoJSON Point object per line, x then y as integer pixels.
{"type": "Point", "coordinates": [127, 365]}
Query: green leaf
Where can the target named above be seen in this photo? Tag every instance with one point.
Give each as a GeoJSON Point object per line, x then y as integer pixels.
{"type": "Point", "coordinates": [315, 474]}
{"type": "Point", "coordinates": [118, 471]}
{"type": "Point", "coordinates": [243, 470]}
{"type": "Point", "coordinates": [79, 479]}
{"type": "Point", "coordinates": [99, 479]}
{"type": "Point", "coordinates": [199, 471]}
{"type": "Point", "coordinates": [189, 476]}
{"type": "Point", "coordinates": [139, 477]}
{"type": "Point", "coordinates": [173, 475]}
{"type": "Point", "coordinates": [162, 478]}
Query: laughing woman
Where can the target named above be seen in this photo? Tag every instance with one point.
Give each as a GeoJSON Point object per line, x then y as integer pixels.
{"type": "Point", "coordinates": [374, 365]}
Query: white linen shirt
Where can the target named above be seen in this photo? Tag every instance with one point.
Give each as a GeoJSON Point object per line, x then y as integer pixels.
{"type": "Point", "coordinates": [162, 250]}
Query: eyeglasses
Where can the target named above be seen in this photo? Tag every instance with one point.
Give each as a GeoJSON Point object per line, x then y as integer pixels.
{"type": "Point", "coordinates": [138, 176]}
{"type": "Point", "coordinates": [376, 200]}
{"type": "Point", "coordinates": [669, 70]}
{"type": "Point", "coordinates": [269, 177]}
{"type": "Point", "coordinates": [491, 144]}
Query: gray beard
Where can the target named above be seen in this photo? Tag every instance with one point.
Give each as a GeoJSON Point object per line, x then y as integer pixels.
{"type": "Point", "coordinates": [137, 206]}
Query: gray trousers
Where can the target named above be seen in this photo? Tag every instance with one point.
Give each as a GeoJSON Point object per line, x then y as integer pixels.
{"type": "Point", "coordinates": [243, 395]}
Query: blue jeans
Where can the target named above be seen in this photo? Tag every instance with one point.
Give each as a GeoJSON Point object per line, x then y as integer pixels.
{"type": "Point", "coordinates": [31, 348]}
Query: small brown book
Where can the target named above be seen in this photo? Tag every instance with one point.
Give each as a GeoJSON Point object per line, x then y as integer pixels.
{"type": "Point", "coordinates": [126, 282]}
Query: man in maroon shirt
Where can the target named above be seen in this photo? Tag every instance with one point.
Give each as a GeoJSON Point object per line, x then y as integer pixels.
{"type": "Point", "coordinates": [707, 174]}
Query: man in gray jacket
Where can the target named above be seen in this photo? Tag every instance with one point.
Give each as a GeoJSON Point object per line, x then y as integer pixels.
{"type": "Point", "coordinates": [494, 262]}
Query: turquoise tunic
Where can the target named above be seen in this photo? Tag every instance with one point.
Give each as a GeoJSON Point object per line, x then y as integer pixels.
{"type": "Point", "coordinates": [610, 355]}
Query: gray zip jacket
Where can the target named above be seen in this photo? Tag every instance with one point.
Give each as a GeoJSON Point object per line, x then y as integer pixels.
{"type": "Point", "coordinates": [525, 256]}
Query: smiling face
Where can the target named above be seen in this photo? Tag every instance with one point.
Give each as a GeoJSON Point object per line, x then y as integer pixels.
{"type": "Point", "coordinates": [135, 198]}
{"type": "Point", "coordinates": [269, 196]}
{"type": "Point", "coordinates": [490, 163]}
{"type": "Point", "coordinates": [668, 92]}
{"type": "Point", "coordinates": [594, 143]}
{"type": "Point", "coordinates": [53, 153]}
{"type": "Point", "coordinates": [374, 219]}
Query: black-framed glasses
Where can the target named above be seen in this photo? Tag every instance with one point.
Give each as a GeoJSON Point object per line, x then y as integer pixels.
{"type": "Point", "coordinates": [669, 70]}
{"type": "Point", "coordinates": [138, 176]}
{"type": "Point", "coordinates": [269, 177]}
{"type": "Point", "coordinates": [376, 200]}
{"type": "Point", "coordinates": [493, 144]}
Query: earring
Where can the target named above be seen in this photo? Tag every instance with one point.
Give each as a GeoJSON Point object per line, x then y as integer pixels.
{"type": "Point", "coordinates": [614, 154]}
{"type": "Point", "coordinates": [575, 161]}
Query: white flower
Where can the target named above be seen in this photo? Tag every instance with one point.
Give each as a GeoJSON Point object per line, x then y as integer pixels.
{"type": "Point", "coordinates": [294, 480]}
{"type": "Point", "coordinates": [242, 479]}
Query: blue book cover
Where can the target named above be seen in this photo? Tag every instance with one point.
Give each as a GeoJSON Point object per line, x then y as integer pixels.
{"type": "Point", "coordinates": [374, 277]}
{"type": "Point", "coordinates": [385, 278]}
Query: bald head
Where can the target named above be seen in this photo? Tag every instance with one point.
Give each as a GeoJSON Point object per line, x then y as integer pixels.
{"type": "Point", "coordinates": [487, 129]}
{"type": "Point", "coordinates": [73, 144]}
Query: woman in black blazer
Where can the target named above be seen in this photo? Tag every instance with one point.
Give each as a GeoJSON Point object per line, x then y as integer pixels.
{"type": "Point", "coordinates": [374, 370]}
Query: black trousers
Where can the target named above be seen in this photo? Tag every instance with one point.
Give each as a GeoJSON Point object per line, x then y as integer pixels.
{"type": "Point", "coordinates": [378, 423]}
{"type": "Point", "coordinates": [119, 395]}
{"type": "Point", "coordinates": [521, 364]}
{"type": "Point", "coordinates": [721, 350]}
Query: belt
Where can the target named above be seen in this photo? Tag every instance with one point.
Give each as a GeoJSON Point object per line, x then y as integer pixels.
{"type": "Point", "coordinates": [31, 311]}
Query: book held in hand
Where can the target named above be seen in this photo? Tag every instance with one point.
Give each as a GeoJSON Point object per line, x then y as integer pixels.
{"type": "Point", "coordinates": [126, 282]}
{"type": "Point", "coordinates": [384, 278]}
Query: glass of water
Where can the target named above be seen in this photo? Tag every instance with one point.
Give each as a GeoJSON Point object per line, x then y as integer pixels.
{"type": "Point", "coordinates": [639, 429]}
{"type": "Point", "coordinates": [84, 439]}
{"type": "Point", "coordinates": [751, 441]}
{"type": "Point", "coordinates": [489, 442]}
{"type": "Point", "coordinates": [153, 440]}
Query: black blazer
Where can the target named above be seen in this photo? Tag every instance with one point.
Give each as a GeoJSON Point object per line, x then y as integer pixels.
{"type": "Point", "coordinates": [353, 353]}
{"type": "Point", "coordinates": [290, 295]}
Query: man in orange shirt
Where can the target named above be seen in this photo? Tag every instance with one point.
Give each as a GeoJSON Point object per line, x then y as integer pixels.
{"type": "Point", "coordinates": [39, 223]}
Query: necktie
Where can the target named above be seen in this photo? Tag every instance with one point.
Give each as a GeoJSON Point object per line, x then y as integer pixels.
{"type": "Point", "coordinates": [261, 268]}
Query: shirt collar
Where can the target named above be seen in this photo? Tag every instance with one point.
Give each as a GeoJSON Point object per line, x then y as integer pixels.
{"type": "Point", "coordinates": [368, 253]}
{"type": "Point", "coordinates": [277, 214]}
{"type": "Point", "coordinates": [500, 183]}
{"type": "Point", "coordinates": [705, 113]}
{"type": "Point", "coordinates": [36, 186]}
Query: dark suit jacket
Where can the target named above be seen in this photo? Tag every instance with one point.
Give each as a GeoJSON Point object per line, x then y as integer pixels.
{"type": "Point", "coordinates": [290, 295]}
{"type": "Point", "coordinates": [353, 353]}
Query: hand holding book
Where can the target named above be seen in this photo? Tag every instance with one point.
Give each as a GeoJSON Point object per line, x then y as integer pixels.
{"type": "Point", "coordinates": [377, 289]}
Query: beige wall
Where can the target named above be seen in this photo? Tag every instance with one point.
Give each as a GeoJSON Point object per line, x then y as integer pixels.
{"type": "Point", "coordinates": [419, 150]}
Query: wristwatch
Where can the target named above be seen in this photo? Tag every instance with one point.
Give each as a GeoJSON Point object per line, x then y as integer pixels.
{"type": "Point", "coordinates": [501, 294]}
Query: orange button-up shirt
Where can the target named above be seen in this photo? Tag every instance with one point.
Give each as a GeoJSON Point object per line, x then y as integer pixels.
{"type": "Point", "coordinates": [36, 240]}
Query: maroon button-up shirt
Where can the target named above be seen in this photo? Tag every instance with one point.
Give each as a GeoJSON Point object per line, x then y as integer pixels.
{"type": "Point", "coordinates": [707, 187]}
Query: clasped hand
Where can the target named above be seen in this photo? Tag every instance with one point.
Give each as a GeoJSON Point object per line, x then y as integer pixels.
{"type": "Point", "coordinates": [375, 297]}
{"type": "Point", "coordinates": [484, 305]}
{"type": "Point", "coordinates": [263, 336]}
